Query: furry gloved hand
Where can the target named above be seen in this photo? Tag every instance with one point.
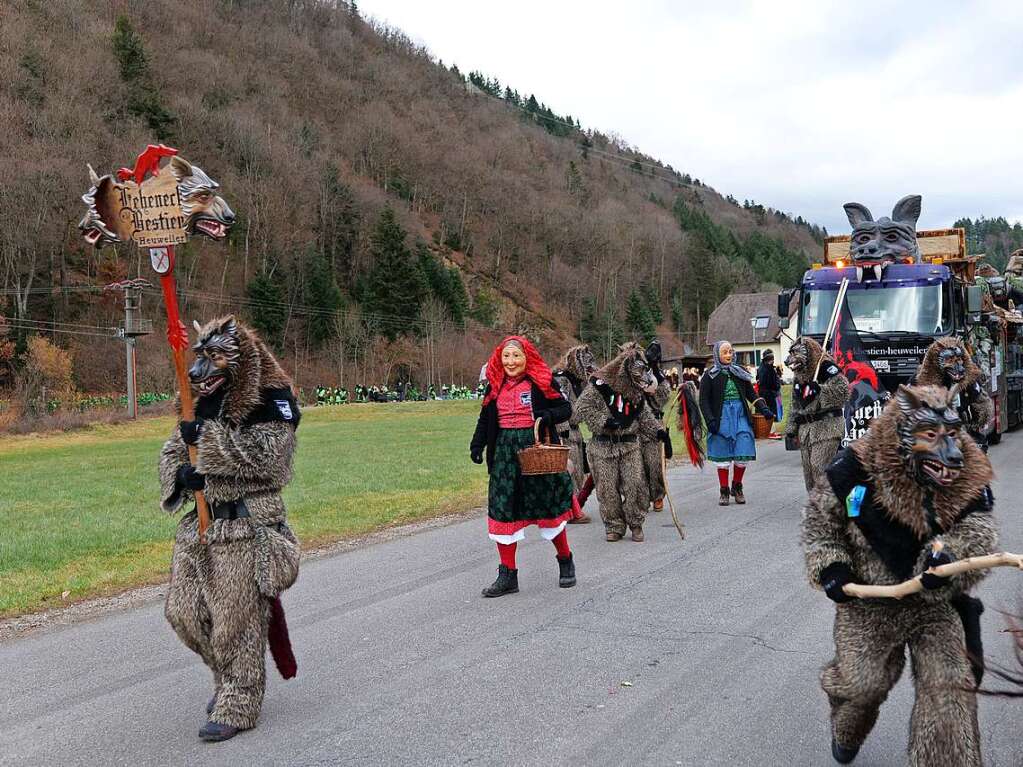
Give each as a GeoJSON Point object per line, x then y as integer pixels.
{"type": "Point", "coordinates": [930, 580]}
{"type": "Point", "coordinates": [476, 455]}
{"type": "Point", "coordinates": [612, 423]}
{"type": "Point", "coordinates": [833, 578]}
{"type": "Point", "coordinates": [188, 477]}
{"type": "Point", "coordinates": [809, 392]}
{"type": "Point", "coordinates": [190, 431]}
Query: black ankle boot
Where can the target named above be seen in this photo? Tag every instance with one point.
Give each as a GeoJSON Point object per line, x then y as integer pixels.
{"type": "Point", "coordinates": [725, 497]}
{"type": "Point", "coordinates": [566, 578]}
{"type": "Point", "coordinates": [214, 732]}
{"type": "Point", "coordinates": [842, 754]}
{"type": "Point", "coordinates": [507, 583]}
{"type": "Point", "coordinates": [737, 492]}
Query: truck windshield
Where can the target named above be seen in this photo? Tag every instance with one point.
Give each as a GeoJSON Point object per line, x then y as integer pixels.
{"type": "Point", "coordinates": [907, 309]}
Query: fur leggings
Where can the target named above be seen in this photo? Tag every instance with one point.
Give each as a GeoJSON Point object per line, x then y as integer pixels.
{"type": "Point", "coordinates": [652, 466]}
{"type": "Point", "coordinates": [621, 485]}
{"type": "Point", "coordinates": [217, 610]}
{"type": "Point", "coordinates": [870, 647]}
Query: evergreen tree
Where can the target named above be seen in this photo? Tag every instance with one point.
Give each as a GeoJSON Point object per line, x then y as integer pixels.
{"type": "Point", "coordinates": [337, 225]}
{"type": "Point", "coordinates": [143, 98]}
{"type": "Point", "coordinates": [268, 312]}
{"type": "Point", "coordinates": [637, 318]}
{"type": "Point", "coordinates": [324, 297]}
{"type": "Point", "coordinates": [458, 306]}
{"type": "Point", "coordinates": [653, 303]}
{"type": "Point", "coordinates": [677, 312]}
{"type": "Point", "coordinates": [484, 308]}
{"type": "Point", "coordinates": [394, 288]}
{"type": "Point", "coordinates": [589, 331]}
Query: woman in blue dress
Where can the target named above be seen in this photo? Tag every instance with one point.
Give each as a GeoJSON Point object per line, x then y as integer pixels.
{"type": "Point", "coordinates": [725, 390]}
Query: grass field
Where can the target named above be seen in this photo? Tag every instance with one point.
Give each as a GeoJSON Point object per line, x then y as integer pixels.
{"type": "Point", "coordinates": [80, 512]}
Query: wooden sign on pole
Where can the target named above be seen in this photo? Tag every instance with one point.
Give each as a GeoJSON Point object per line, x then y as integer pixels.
{"type": "Point", "coordinates": [157, 208]}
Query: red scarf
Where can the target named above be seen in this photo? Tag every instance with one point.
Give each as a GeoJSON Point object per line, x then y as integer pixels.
{"type": "Point", "coordinates": [536, 370]}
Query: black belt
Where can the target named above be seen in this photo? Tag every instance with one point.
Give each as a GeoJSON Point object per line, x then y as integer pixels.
{"type": "Point", "coordinates": [614, 438]}
{"type": "Point", "coordinates": [230, 509]}
{"type": "Point", "coordinates": [834, 412]}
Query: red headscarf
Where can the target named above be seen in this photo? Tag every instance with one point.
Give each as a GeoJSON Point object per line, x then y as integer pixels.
{"type": "Point", "coordinates": [536, 370]}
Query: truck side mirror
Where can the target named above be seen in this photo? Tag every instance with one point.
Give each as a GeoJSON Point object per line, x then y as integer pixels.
{"type": "Point", "coordinates": [784, 299]}
{"type": "Point", "coordinates": [973, 304]}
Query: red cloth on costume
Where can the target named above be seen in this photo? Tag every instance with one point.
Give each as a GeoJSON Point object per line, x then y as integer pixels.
{"type": "Point", "coordinates": [536, 370]}
{"type": "Point", "coordinates": [515, 404]}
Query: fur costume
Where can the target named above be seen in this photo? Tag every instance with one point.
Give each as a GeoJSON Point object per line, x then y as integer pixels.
{"type": "Point", "coordinates": [222, 593]}
{"type": "Point", "coordinates": [573, 371]}
{"type": "Point", "coordinates": [611, 406]}
{"type": "Point", "coordinates": [817, 417]}
{"type": "Point", "coordinates": [947, 363]}
{"type": "Point", "coordinates": [921, 480]}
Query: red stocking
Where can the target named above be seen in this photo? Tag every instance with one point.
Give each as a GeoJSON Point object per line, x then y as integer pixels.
{"type": "Point", "coordinates": [723, 478]}
{"type": "Point", "coordinates": [507, 553]}
{"type": "Point", "coordinates": [561, 545]}
{"type": "Point", "coordinates": [737, 472]}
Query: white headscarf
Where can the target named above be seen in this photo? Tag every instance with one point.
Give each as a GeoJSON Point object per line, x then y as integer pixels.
{"type": "Point", "coordinates": [735, 369]}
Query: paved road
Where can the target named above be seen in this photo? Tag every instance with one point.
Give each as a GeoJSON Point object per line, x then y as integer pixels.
{"type": "Point", "coordinates": [667, 653]}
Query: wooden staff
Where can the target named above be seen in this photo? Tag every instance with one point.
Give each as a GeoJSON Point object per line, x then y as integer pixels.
{"type": "Point", "coordinates": [664, 475]}
{"type": "Point", "coordinates": [177, 337]}
{"type": "Point", "coordinates": [832, 323]}
{"type": "Point", "coordinates": [915, 585]}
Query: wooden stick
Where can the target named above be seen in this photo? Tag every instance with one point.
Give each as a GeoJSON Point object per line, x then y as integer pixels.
{"type": "Point", "coordinates": [915, 585]}
{"type": "Point", "coordinates": [832, 323]}
{"type": "Point", "coordinates": [664, 480]}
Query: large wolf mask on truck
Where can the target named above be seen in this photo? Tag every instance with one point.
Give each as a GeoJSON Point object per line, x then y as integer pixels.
{"type": "Point", "coordinates": [875, 244]}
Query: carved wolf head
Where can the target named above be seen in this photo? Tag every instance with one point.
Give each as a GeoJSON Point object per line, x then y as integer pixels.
{"type": "Point", "coordinates": [803, 356]}
{"type": "Point", "coordinates": [887, 239]}
{"type": "Point", "coordinates": [217, 353]}
{"type": "Point", "coordinates": [206, 211]}
{"type": "Point", "coordinates": [929, 434]}
{"type": "Point", "coordinates": [101, 224]}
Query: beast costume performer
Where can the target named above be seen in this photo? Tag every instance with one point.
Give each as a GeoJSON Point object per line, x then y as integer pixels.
{"type": "Point", "coordinates": [611, 406]}
{"type": "Point", "coordinates": [573, 371]}
{"type": "Point", "coordinates": [911, 479]}
{"type": "Point", "coordinates": [224, 594]}
{"type": "Point", "coordinates": [948, 364]}
{"type": "Point", "coordinates": [817, 418]}
{"type": "Point", "coordinates": [652, 432]}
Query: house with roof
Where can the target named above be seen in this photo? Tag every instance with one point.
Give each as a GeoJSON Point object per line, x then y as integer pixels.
{"type": "Point", "coordinates": [750, 322]}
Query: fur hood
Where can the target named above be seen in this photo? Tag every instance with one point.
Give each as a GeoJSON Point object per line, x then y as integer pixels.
{"type": "Point", "coordinates": [256, 369]}
{"type": "Point", "coordinates": [900, 495]}
{"type": "Point", "coordinates": [615, 374]}
{"type": "Point", "coordinates": [570, 364]}
{"type": "Point", "coordinates": [929, 372]}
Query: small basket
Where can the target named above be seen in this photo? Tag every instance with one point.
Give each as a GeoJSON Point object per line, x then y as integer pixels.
{"type": "Point", "coordinates": [543, 457]}
{"type": "Point", "coordinates": [761, 426]}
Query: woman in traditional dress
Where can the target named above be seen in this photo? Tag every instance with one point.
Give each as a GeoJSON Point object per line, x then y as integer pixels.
{"type": "Point", "coordinates": [520, 389]}
{"type": "Point", "coordinates": [725, 390]}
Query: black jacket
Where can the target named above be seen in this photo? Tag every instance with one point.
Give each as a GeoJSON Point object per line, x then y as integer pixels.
{"type": "Point", "coordinates": [712, 398]}
{"type": "Point", "coordinates": [553, 411]}
{"type": "Point", "coordinates": [768, 380]}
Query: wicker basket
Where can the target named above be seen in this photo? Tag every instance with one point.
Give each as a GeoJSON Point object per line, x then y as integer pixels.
{"type": "Point", "coordinates": [543, 458]}
{"type": "Point", "coordinates": [761, 426]}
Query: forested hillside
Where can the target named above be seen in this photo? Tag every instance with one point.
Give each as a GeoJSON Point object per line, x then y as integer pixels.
{"type": "Point", "coordinates": [394, 215]}
{"type": "Point", "coordinates": [996, 238]}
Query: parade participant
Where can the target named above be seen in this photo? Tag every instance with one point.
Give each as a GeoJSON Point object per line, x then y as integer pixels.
{"type": "Point", "coordinates": [912, 479]}
{"type": "Point", "coordinates": [572, 373]}
{"type": "Point", "coordinates": [769, 383]}
{"type": "Point", "coordinates": [817, 417]}
{"type": "Point", "coordinates": [725, 389]}
{"type": "Point", "coordinates": [610, 406]}
{"type": "Point", "coordinates": [947, 363]}
{"type": "Point", "coordinates": [223, 597]}
{"type": "Point", "coordinates": [520, 390]}
{"type": "Point", "coordinates": [652, 432]}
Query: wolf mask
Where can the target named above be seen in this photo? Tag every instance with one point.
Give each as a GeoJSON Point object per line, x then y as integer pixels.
{"type": "Point", "coordinates": [886, 240]}
{"type": "Point", "coordinates": [929, 441]}
{"type": "Point", "coordinates": [802, 357]}
{"type": "Point", "coordinates": [629, 374]}
{"type": "Point", "coordinates": [578, 362]}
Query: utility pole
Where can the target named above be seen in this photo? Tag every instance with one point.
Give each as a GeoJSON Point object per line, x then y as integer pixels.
{"type": "Point", "coordinates": [134, 326]}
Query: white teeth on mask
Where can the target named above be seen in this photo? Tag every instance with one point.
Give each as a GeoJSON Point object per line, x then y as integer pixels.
{"type": "Point", "coordinates": [859, 274]}
{"type": "Point", "coordinates": [878, 271]}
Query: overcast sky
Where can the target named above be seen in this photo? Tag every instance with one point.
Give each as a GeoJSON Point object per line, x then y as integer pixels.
{"type": "Point", "coordinates": [801, 106]}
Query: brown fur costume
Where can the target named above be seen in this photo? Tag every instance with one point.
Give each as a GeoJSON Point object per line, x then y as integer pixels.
{"type": "Point", "coordinates": [819, 423]}
{"type": "Point", "coordinates": [887, 543]}
{"type": "Point", "coordinates": [975, 406]}
{"type": "Point", "coordinates": [572, 373]}
{"type": "Point", "coordinates": [220, 594]}
{"type": "Point", "coordinates": [615, 455]}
